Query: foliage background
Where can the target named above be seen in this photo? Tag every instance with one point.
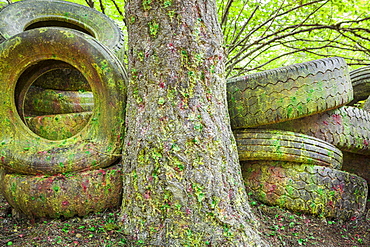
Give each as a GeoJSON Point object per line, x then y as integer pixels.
{"type": "Point", "coordinates": [267, 34]}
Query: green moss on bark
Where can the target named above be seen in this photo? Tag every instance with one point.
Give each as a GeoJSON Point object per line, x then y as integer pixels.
{"type": "Point", "coordinates": [183, 185]}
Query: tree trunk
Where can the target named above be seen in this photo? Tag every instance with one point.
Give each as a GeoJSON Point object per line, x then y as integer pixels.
{"type": "Point", "coordinates": [182, 179]}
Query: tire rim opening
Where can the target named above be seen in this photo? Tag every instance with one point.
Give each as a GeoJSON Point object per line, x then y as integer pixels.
{"type": "Point", "coordinates": [54, 99]}
{"type": "Point", "coordinates": [55, 22]}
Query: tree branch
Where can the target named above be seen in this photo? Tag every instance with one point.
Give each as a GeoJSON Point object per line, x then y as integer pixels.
{"type": "Point", "coordinates": [226, 12]}
{"type": "Point", "coordinates": [102, 6]}
{"type": "Point", "coordinates": [90, 3]}
{"type": "Point", "coordinates": [268, 20]}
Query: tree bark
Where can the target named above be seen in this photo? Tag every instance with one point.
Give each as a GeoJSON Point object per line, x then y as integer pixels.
{"type": "Point", "coordinates": [182, 178]}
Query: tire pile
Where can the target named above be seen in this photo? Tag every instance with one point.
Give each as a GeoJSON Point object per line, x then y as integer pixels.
{"type": "Point", "coordinates": [359, 162]}
{"type": "Point", "coordinates": [63, 95]}
{"type": "Point", "coordinates": [291, 125]}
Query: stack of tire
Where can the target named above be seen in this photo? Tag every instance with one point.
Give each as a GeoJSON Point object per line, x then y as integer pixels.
{"type": "Point", "coordinates": [63, 95]}
{"type": "Point", "coordinates": [291, 126]}
{"type": "Point", "coordinates": [358, 162]}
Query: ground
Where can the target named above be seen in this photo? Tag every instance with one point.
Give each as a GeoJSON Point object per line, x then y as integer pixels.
{"type": "Point", "coordinates": [279, 227]}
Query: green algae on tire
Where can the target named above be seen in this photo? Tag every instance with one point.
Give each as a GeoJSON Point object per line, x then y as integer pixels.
{"type": "Point", "coordinates": [36, 100]}
{"type": "Point", "coordinates": [100, 142]}
{"type": "Point", "coordinates": [61, 78]}
{"type": "Point", "coordinates": [59, 126]}
{"type": "Point", "coordinates": [63, 195]}
{"type": "Point", "coordinates": [41, 101]}
{"type": "Point", "coordinates": [288, 93]}
{"type": "Point", "coordinates": [316, 190]}
{"type": "Point", "coordinates": [26, 15]}
{"type": "Point", "coordinates": [266, 144]}
{"type": "Point", "coordinates": [348, 128]}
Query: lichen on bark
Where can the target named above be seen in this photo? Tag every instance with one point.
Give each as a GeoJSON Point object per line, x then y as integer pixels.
{"type": "Point", "coordinates": [182, 182]}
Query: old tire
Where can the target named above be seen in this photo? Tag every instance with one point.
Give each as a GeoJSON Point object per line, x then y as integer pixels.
{"type": "Point", "coordinates": [26, 15]}
{"type": "Point", "coordinates": [288, 93]}
{"type": "Point", "coordinates": [59, 126]}
{"type": "Point", "coordinates": [96, 145]}
{"type": "Point", "coordinates": [256, 144]}
{"type": "Point", "coordinates": [59, 77]}
{"type": "Point", "coordinates": [309, 189]}
{"type": "Point", "coordinates": [347, 127]}
{"type": "Point", "coordinates": [63, 195]}
{"type": "Point", "coordinates": [366, 105]}
{"type": "Point", "coordinates": [360, 79]}
{"type": "Point", "coordinates": [41, 101]}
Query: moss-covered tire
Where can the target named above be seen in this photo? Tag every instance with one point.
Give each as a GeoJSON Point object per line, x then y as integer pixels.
{"type": "Point", "coordinates": [366, 105]}
{"type": "Point", "coordinates": [347, 127]}
{"type": "Point", "coordinates": [59, 126]}
{"type": "Point", "coordinates": [63, 195]}
{"type": "Point", "coordinates": [360, 79]}
{"type": "Point", "coordinates": [60, 77]}
{"type": "Point", "coordinates": [21, 16]}
{"type": "Point", "coordinates": [309, 189]}
{"type": "Point", "coordinates": [41, 101]}
{"type": "Point", "coordinates": [256, 144]}
{"type": "Point", "coordinates": [26, 15]}
{"type": "Point", "coordinates": [99, 143]}
{"type": "Point", "coordinates": [288, 93]}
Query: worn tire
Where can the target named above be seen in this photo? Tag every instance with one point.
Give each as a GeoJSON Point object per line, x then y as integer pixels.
{"type": "Point", "coordinates": [41, 101]}
{"type": "Point", "coordinates": [59, 126]}
{"type": "Point", "coordinates": [366, 105]}
{"type": "Point", "coordinates": [256, 144]}
{"type": "Point", "coordinates": [100, 142]}
{"type": "Point", "coordinates": [360, 79]}
{"type": "Point", "coordinates": [309, 189]}
{"type": "Point", "coordinates": [64, 195]}
{"type": "Point", "coordinates": [347, 127]}
{"type": "Point", "coordinates": [60, 77]}
{"type": "Point", "coordinates": [288, 93]}
{"type": "Point", "coordinates": [26, 15]}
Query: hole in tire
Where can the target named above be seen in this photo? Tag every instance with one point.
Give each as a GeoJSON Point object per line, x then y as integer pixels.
{"type": "Point", "coordinates": [53, 99]}
{"type": "Point", "coordinates": [59, 23]}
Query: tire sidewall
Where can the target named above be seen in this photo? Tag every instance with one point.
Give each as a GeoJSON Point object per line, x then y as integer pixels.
{"type": "Point", "coordinates": [103, 133]}
{"type": "Point", "coordinates": [18, 16]}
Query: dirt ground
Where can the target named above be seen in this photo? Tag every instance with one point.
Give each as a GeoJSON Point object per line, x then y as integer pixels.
{"type": "Point", "coordinates": [279, 227]}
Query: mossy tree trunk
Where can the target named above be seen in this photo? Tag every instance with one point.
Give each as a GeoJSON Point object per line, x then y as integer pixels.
{"type": "Point", "coordinates": [182, 180]}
